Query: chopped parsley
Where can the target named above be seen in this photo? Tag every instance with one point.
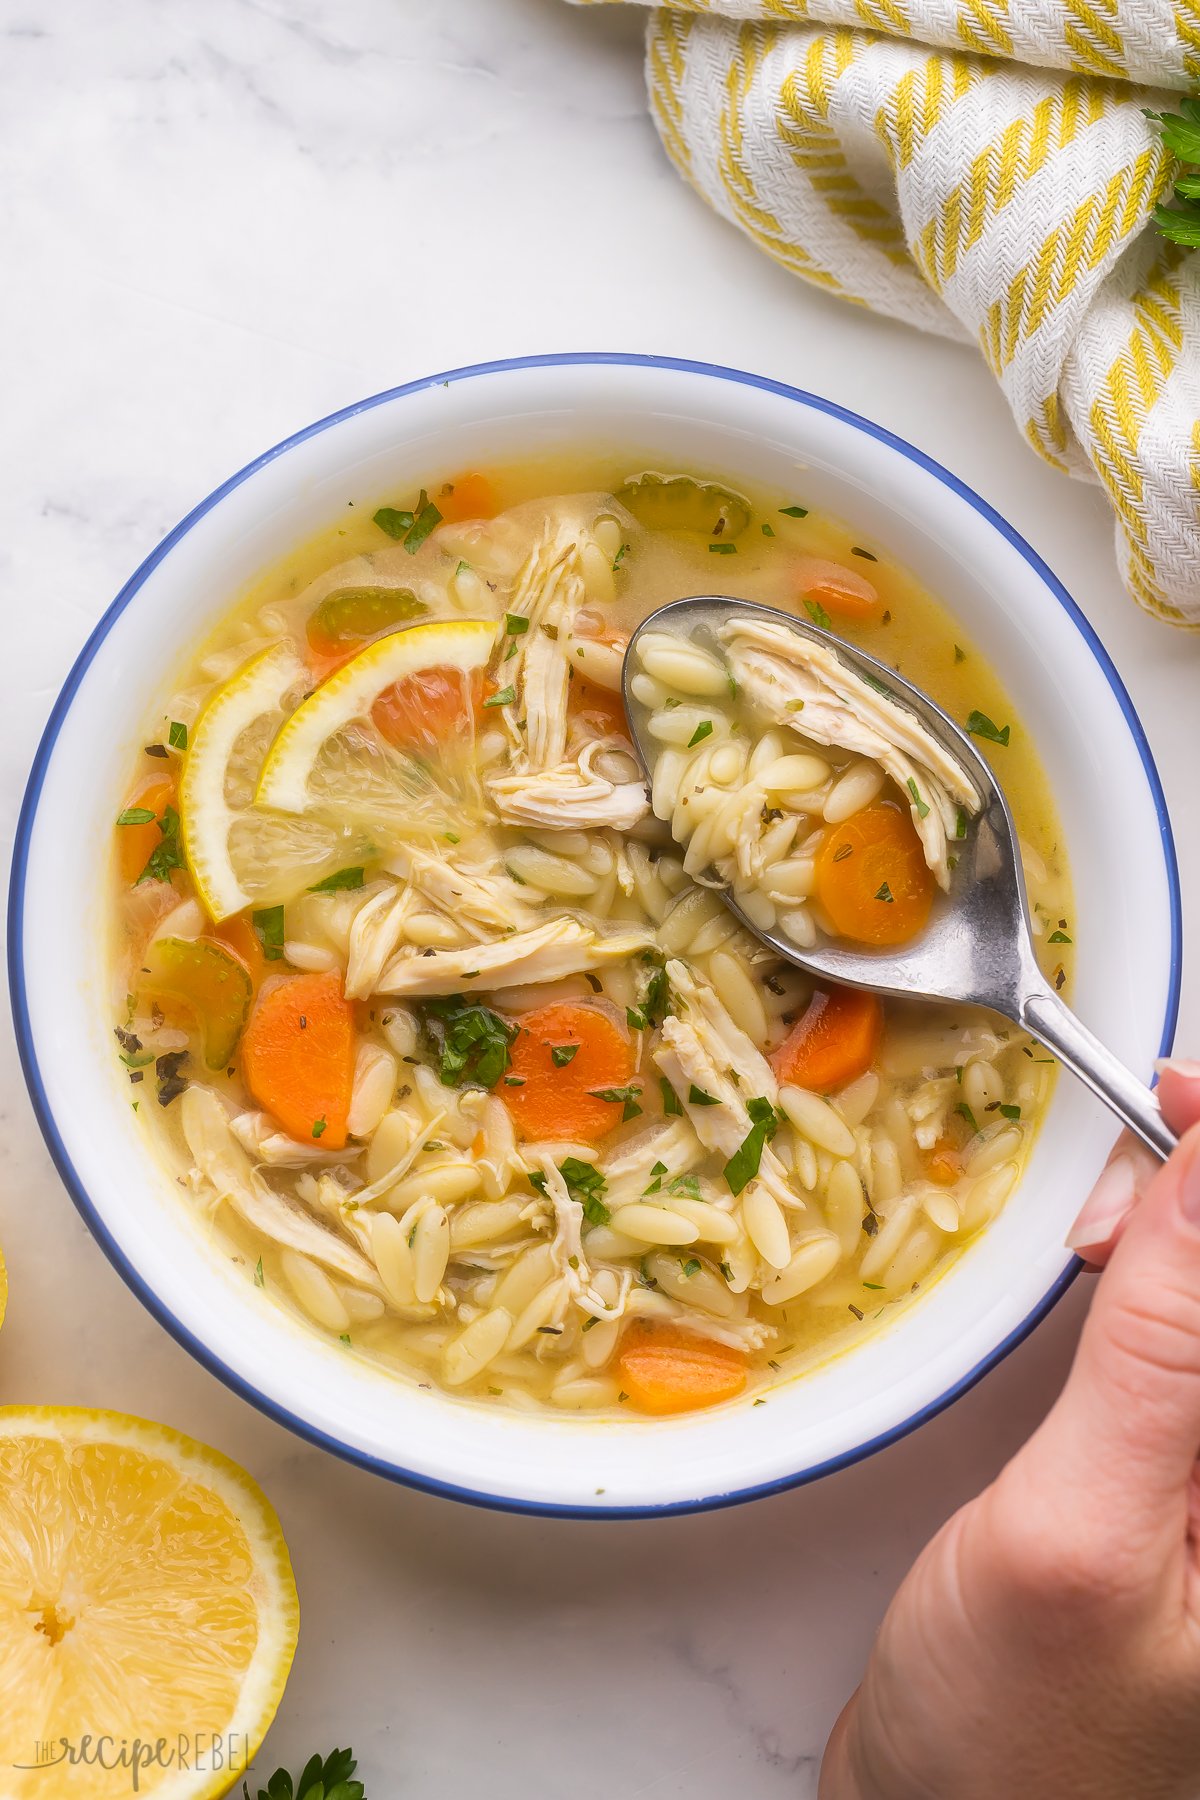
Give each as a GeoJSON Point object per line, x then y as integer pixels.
{"type": "Point", "coordinates": [744, 1164]}
{"type": "Point", "coordinates": [965, 1112]}
{"type": "Point", "coordinates": [585, 1184]}
{"type": "Point", "coordinates": [177, 737]}
{"type": "Point", "coordinates": [960, 654]}
{"type": "Point", "coordinates": [690, 1267]}
{"type": "Point", "coordinates": [703, 730]}
{"type": "Point", "coordinates": [979, 725]}
{"type": "Point", "coordinates": [409, 528]}
{"type": "Point", "coordinates": [470, 1041]}
{"type": "Point", "coordinates": [515, 624]}
{"type": "Point", "coordinates": [818, 615]}
{"type": "Point", "coordinates": [768, 530]}
{"type": "Point", "coordinates": [166, 855]}
{"type": "Point", "coordinates": [723, 549]}
{"type": "Point", "coordinates": [619, 558]}
{"type": "Point", "coordinates": [842, 852]}
{"type": "Point", "coordinates": [655, 1001]}
{"type": "Point", "coordinates": [670, 1099]}
{"type": "Point", "coordinates": [260, 1279]}
{"type": "Point", "coordinates": [268, 925]}
{"type": "Point", "coordinates": [960, 827]}
{"type": "Point", "coordinates": [505, 697]}
{"type": "Point", "coordinates": [344, 878]}
{"type": "Point", "coordinates": [698, 1097]}
{"type": "Point", "coordinates": [794, 512]}
{"type": "Point", "coordinates": [627, 1098]}
{"type": "Point", "coordinates": [1009, 1112]}
{"type": "Point", "coordinates": [170, 1082]}
{"type": "Point", "coordinates": [867, 555]}
{"type": "Point", "coordinates": [658, 1170]}
{"type": "Point", "coordinates": [1059, 937]}
{"type": "Point", "coordinates": [137, 815]}
{"type": "Point", "coordinates": [561, 1054]}
{"type": "Point", "coordinates": [885, 894]}
{"type": "Point", "coordinates": [685, 1184]}
{"type": "Point", "coordinates": [319, 1126]}
{"type": "Point", "coordinates": [921, 806]}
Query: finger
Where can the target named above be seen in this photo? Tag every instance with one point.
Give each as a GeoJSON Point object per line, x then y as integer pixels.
{"type": "Point", "coordinates": [1178, 1092]}
{"type": "Point", "coordinates": [1131, 1166]}
{"type": "Point", "coordinates": [1129, 1417]}
{"type": "Point", "coordinates": [1119, 1187]}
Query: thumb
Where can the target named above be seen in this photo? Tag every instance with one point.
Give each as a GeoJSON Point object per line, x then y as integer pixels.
{"type": "Point", "coordinates": [1129, 1417]}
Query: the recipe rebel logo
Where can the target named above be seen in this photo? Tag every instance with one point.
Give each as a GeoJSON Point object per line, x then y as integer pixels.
{"type": "Point", "coordinates": [205, 1752]}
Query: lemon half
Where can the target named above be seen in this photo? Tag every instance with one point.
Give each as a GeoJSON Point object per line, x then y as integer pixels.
{"type": "Point", "coordinates": [463, 644]}
{"type": "Point", "coordinates": [145, 1593]}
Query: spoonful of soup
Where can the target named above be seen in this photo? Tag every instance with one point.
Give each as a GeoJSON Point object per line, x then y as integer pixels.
{"type": "Point", "coordinates": [850, 822]}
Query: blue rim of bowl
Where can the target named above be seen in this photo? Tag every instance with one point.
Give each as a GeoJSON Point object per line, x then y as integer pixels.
{"type": "Point", "coordinates": [16, 906]}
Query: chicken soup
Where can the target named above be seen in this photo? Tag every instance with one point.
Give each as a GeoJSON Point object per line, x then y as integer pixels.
{"type": "Point", "coordinates": [457, 1049]}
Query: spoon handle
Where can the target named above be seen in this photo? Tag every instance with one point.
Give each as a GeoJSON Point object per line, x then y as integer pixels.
{"type": "Point", "coordinates": [1053, 1023]}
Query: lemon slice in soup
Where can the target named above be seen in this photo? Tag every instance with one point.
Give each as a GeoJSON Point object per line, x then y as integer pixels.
{"type": "Point", "coordinates": [410, 693]}
{"type": "Point", "coordinates": [236, 853]}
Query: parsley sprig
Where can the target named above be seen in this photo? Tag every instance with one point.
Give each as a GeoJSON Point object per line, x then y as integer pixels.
{"type": "Point", "coordinates": [327, 1779]}
{"type": "Point", "coordinates": [1181, 135]}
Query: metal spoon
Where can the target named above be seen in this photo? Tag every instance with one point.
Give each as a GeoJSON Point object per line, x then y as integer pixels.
{"type": "Point", "coordinates": [977, 946]}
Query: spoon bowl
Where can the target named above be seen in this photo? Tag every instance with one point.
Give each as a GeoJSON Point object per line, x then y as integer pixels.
{"type": "Point", "coordinates": [978, 945]}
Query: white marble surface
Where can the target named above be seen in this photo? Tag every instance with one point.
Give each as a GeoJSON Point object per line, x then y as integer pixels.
{"type": "Point", "coordinates": [224, 218]}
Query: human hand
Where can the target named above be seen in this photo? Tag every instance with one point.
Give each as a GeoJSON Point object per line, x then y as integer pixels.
{"type": "Point", "coordinates": [1046, 1644]}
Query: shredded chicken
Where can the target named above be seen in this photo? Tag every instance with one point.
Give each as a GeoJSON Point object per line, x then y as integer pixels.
{"type": "Point", "coordinates": [739, 1334]}
{"type": "Point", "coordinates": [572, 796]}
{"type": "Point", "coordinates": [725, 1040]}
{"type": "Point", "coordinates": [232, 1177]}
{"type": "Point", "coordinates": [262, 1140]}
{"type": "Point", "coordinates": [692, 1056]}
{"type": "Point", "coordinates": [805, 686]}
{"type": "Point", "coordinates": [568, 1230]}
{"type": "Point", "coordinates": [548, 952]}
{"type": "Point", "coordinates": [548, 592]}
{"type": "Point", "coordinates": [478, 898]}
{"type": "Point", "coordinates": [374, 935]}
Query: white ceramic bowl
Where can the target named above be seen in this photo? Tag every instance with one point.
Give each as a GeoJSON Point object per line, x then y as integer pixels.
{"type": "Point", "coordinates": [664, 413]}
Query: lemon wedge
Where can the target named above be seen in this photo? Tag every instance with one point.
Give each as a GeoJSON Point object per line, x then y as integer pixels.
{"type": "Point", "coordinates": [145, 1593]}
{"type": "Point", "coordinates": [286, 782]}
{"type": "Point", "coordinates": [237, 854]}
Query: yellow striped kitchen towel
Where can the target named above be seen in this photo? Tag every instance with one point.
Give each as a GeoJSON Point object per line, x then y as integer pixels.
{"type": "Point", "coordinates": [983, 169]}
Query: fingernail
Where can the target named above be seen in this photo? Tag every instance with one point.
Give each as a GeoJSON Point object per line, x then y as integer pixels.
{"type": "Point", "coordinates": [1108, 1205]}
{"type": "Point", "coordinates": [1179, 1065]}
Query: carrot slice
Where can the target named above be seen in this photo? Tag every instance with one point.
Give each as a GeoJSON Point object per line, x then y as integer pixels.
{"type": "Point", "coordinates": [599, 708]}
{"type": "Point", "coordinates": [137, 843]}
{"type": "Point", "coordinates": [838, 590]}
{"type": "Point", "coordinates": [872, 878]}
{"type": "Point", "coordinates": [467, 497]}
{"type": "Point", "coordinates": [239, 935]}
{"type": "Point", "coordinates": [561, 1059]}
{"type": "Point", "coordinates": [666, 1370]}
{"type": "Point", "coordinates": [429, 708]}
{"type": "Point", "coordinates": [944, 1164]}
{"type": "Point", "coordinates": [835, 1040]}
{"type": "Point", "coordinates": [298, 1057]}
